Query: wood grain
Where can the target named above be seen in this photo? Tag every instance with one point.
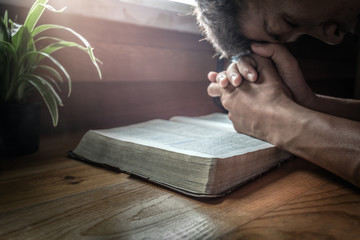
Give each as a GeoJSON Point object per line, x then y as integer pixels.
{"type": "Point", "coordinates": [128, 52]}
{"type": "Point", "coordinates": [113, 104]}
{"type": "Point", "coordinates": [48, 196]}
{"type": "Point", "coordinates": [329, 211]}
{"type": "Point", "coordinates": [53, 197]}
{"type": "Point", "coordinates": [33, 189]}
{"type": "Point", "coordinates": [41, 181]}
{"type": "Point", "coordinates": [136, 209]}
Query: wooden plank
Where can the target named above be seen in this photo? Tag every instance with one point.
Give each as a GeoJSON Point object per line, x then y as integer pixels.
{"type": "Point", "coordinates": [131, 62]}
{"type": "Point", "coordinates": [52, 150]}
{"type": "Point", "coordinates": [29, 190]}
{"type": "Point", "coordinates": [49, 175]}
{"type": "Point", "coordinates": [95, 29]}
{"type": "Point", "coordinates": [330, 211]}
{"type": "Point", "coordinates": [136, 209]}
{"type": "Point", "coordinates": [130, 52]}
{"type": "Point", "coordinates": [122, 33]}
{"type": "Point", "coordinates": [96, 105]}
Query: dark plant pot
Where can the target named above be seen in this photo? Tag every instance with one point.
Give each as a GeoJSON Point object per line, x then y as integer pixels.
{"type": "Point", "coordinates": [19, 128]}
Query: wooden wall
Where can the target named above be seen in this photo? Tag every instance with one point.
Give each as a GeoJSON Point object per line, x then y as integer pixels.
{"type": "Point", "coordinates": [152, 73]}
{"type": "Point", "coordinates": [147, 73]}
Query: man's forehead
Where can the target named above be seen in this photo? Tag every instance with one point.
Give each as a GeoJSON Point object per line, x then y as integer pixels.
{"type": "Point", "coordinates": [253, 23]}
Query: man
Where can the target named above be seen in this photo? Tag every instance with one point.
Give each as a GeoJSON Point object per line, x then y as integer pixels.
{"type": "Point", "coordinates": [276, 104]}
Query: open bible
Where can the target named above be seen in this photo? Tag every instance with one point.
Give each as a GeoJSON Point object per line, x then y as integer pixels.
{"type": "Point", "coordinates": [201, 156]}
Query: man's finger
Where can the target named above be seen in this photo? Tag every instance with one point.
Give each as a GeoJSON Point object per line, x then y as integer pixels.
{"type": "Point", "coordinates": [247, 68]}
{"type": "Point", "coordinates": [212, 76]}
{"type": "Point", "coordinates": [234, 75]}
{"type": "Point", "coordinates": [214, 90]}
{"type": "Point", "coordinates": [222, 79]}
{"type": "Point", "coordinates": [278, 53]}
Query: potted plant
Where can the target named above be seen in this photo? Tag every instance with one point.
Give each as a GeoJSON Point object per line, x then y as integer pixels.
{"type": "Point", "coordinates": [23, 69]}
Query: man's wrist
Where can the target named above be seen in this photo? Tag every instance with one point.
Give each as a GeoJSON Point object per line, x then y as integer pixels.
{"type": "Point", "coordinates": [289, 121]}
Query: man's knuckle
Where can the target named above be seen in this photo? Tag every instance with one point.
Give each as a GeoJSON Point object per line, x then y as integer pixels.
{"type": "Point", "coordinates": [226, 103]}
{"type": "Point", "coordinates": [231, 116]}
{"type": "Point", "coordinates": [211, 90]}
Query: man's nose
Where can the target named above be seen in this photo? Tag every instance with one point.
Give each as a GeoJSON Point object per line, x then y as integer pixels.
{"type": "Point", "coordinates": [329, 33]}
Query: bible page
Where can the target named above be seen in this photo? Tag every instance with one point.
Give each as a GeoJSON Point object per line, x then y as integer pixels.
{"type": "Point", "coordinates": [189, 139]}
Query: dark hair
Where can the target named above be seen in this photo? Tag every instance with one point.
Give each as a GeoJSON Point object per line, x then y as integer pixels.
{"type": "Point", "coordinates": [219, 22]}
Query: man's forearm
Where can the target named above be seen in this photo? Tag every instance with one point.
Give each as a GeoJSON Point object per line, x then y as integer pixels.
{"type": "Point", "coordinates": [345, 108]}
{"type": "Point", "coordinates": [330, 142]}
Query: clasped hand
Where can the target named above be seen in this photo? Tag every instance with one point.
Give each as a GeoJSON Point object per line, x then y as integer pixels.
{"type": "Point", "coordinates": [257, 90]}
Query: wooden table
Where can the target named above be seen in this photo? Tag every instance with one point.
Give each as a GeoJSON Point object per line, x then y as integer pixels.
{"type": "Point", "coordinates": [49, 196]}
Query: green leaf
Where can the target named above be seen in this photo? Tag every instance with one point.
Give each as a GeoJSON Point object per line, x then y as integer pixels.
{"type": "Point", "coordinates": [48, 93]}
{"type": "Point", "coordinates": [51, 8]}
{"type": "Point", "coordinates": [23, 43]}
{"type": "Point", "coordinates": [45, 27]}
{"type": "Point", "coordinates": [52, 71]}
{"type": "Point", "coordinates": [22, 90]}
{"type": "Point", "coordinates": [16, 37]}
{"type": "Point", "coordinates": [19, 58]}
{"type": "Point", "coordinates": [49, 78]}
{"type": "Point", "coordinates": [7, 46]}
{"type": "Point", "coordinates": [63, 43]}
{"type": "Point", "coordinates": [25, 77]}
{"type": "Point", "coordinates": [34, 14]}
{"type": "Point", "coordinates": [55, 39]}
{"type": "Point", "coordinates": [8, 63]}
{"type": "Point", "coordinates": [5, 19]}
{"type": "Point", "coordinates": [61, 67]}
{"type": "Point", "coordinates": [53, 47]}
{"type": "Point", "coordinates": [4, 33]}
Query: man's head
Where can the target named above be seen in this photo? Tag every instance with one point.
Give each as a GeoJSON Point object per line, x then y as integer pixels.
{"type": "Point", "coordinates": [218, 20]}
{"type": "Point", "coordinates": [232, 24]}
